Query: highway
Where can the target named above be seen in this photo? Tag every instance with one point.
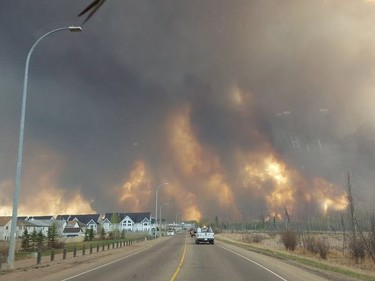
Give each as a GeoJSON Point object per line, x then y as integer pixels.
{"type": "Point", "coordinates": [179, 258]}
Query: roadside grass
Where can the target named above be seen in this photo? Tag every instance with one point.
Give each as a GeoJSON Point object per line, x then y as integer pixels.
{"type": "Point", "coordinates": [301, 260]}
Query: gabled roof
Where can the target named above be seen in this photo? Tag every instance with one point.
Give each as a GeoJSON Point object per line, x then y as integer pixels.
{"type": "Point", "coordinates": [40, 218]}
{"type": "Point", "coordinates": [5, 219]}
{"type": "Point", "coordinates": [139, 217]}
{"type": "Point", "coordinates": [109, 216]}
{"type": "Point", "coordinates": [43, 223]}
{"type": "Point", "coordinates": [24, 223]}
{"type": "Point", "coordinates": [63, 217]}
{"type": "Point", "coordinates": [135, 217]}
{"type": "Point", "coordinates": [73, 222]}
{"type": "Point", "coordinates": [72, 230]}
{"type": "Point", "coordinates": [86, 218]}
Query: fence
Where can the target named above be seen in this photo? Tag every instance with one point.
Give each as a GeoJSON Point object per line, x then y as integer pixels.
{"type": "Point", "coordinates": [77, 250]}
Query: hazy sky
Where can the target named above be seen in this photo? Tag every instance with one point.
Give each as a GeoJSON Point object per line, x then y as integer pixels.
{"type": "Point", "coordinates": [244, 107]}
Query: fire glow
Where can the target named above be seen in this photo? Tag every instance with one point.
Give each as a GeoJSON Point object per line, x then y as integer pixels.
{"type": "Point", "coordinates": [200, 184]}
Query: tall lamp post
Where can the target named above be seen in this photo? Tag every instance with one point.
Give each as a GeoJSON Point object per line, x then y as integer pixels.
{"type": "Point", "coordinates": [20, 145]}
{"type": "Point", "coordinates": [165, 204]}
{"type": "Point", "coordinates": [156, 206]}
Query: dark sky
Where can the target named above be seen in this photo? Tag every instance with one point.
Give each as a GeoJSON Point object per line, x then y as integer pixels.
{"type": "Point", "coordinates": [244, 107]}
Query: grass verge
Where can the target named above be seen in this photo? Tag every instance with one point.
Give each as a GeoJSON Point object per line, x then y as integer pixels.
{"type": "Point", "coordinates": [301, 260]}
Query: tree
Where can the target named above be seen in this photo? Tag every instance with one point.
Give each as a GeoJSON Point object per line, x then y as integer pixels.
{"type": "Point", "coordinates": [91, 234]}
{"type": "Point", "coordinates": [33, 239]}
{"type": "Point", "coordinates": [52, 235]}
{"type": "Point", "coordinates": [102, 234]}
{"type": "Point", "coordinates": [25, 240]}
{"type": "Point", "coordinates": [86, 238]}
{"type": "Point", "coordinates": [40, 239]}
{"type": "Point", "coordinates": [115, 220]}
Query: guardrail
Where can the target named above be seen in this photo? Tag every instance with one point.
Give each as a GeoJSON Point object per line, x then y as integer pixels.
{"type": "Point", "coordinates": [78, 250]}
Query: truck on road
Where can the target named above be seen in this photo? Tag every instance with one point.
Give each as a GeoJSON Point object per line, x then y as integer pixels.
{"type": "Point", "coordinates": [204, 235]}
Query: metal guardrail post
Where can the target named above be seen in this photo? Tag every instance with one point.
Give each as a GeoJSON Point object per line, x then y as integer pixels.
{"type": "Point", "coordinates": [52, 254]}
{"type": "Point", "coordinates": [39, 257]}
{"type": "Point", "coordinates": [64, 253]}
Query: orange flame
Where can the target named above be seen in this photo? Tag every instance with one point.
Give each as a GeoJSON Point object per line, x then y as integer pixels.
{"type": "Point", "coordinates": [136, 191]}
{"type": "Point", "coordinates": [196, 161]}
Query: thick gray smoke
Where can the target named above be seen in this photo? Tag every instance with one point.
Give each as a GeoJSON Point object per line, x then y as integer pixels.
{"type": "Point", "coordinates": [99, 101]}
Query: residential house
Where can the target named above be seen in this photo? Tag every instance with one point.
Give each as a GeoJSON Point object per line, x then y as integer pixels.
{"type": "Point", "coordinates": [141, 221]}
{"type": "Point", "coordinates": [4, 227]}
{"type": "Point", "coordinates": [21, 226]}
{"type": "Point", "coordinates": [40, 226]}
{"type": "Point", "coordinates": [134, 222]}
{"type": "Point", "coordinates": [72, 229]}
{"type": "Point", "coordinates": [72, 232]}
{"type": "Point", "coordinates": [105, 223]}
{"type": "Point", "coordinates": [91, 221]}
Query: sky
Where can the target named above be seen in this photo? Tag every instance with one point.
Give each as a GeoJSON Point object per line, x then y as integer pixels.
{"type": "Point", "coordinates": [245, 108]}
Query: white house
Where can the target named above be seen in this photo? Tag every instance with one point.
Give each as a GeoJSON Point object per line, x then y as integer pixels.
{"type": "Point", "coordinates": [22, 225]}
{"type": "Point", "coordinates": [134, 222]}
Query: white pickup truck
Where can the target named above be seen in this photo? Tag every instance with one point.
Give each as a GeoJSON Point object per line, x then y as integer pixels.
{"type": "Point", "coordinates": [204, 235]}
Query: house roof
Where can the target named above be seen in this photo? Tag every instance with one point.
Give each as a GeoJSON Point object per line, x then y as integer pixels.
{"type": "Point", "coordinates": [40, 218]}
{"type": "Point", "coordinates": [72, 230]}
{"type": "Point", "coordinates": [73, 222]}
{"type": "Point", "coordinates": [139, 217]}
{"type": "Point", "coordinates": [24, 223]}
{"type": "Point", "coordinates": [63, 217]}
{"type": "Point", "coordinates": [42, 222]}
{"type": "Point", "coordinates": [135, 217]}
{"type": "Point", "coordinates": [4, 219]}
{"type": "Point", "coordinates": [86, 218]}
{"type": "Point", "coordinates": [81, 218]}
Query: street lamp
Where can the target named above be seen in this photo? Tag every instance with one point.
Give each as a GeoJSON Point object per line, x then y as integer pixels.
{"type": "Point", "coordinates": [20, 145]}
{"type": "Point", "coordinates": [156, 206]}
{"type": "Point", "coordinates": [165, 204]}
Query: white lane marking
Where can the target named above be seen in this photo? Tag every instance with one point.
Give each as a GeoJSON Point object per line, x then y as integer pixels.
{"type": "Point", "coordinates": [254, 262]}
{"type": "Point", "coordinates": [85, 272]}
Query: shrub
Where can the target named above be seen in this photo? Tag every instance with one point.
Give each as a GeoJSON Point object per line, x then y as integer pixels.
{"type": "Point", "coordinates": [289, 239]}
{"type": "Point", "coordinates": [247, 238]}
{"type": "Point", "coordinates": [311, 245]}
{"type": "Point", "coordinates": [323, 248]}
{"type": "Point", "coordinates": [257, 238]}
{"type": "Point", "coordinates": [357, 249]}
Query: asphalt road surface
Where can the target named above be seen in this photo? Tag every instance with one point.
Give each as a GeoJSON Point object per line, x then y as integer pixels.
{"type": "Point", "coordinates": [179, 258]}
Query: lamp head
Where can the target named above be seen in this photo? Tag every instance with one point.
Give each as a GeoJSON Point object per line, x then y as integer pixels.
{"type": "Point", "coordinates": [75, 28]}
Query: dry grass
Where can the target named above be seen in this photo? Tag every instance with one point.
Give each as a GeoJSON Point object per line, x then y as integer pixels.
{"type": "Point", "coordinates": [338, 253]}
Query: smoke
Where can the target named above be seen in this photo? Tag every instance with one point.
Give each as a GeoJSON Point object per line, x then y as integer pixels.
{"type": "Point", "coordinates": [245, 108]}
